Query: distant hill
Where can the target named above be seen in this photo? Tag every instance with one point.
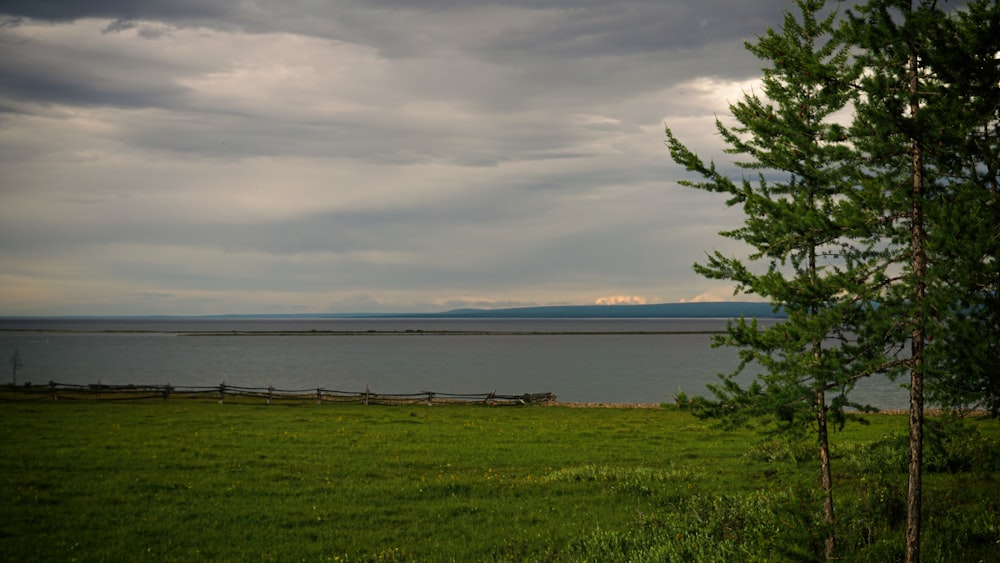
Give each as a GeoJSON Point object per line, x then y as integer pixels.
{"type": "Point", "coordinates": [715, 309]}
{"type": "Point", "coordinates": [721, 309]}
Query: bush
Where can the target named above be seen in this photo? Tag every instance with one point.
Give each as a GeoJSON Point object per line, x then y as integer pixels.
{"type": "Point", "coordinates": [954, 447]}
{"type": "Point", "coordinates": [780, 448]}
{"type": "Point", "coordinates": [682, 401]}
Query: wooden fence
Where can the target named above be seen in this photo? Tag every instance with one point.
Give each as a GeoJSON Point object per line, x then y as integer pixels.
{"type": "Point", "coordinates": [222, 393]}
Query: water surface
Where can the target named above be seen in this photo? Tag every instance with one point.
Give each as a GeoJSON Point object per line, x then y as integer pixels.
{"type": "Point", "coordinates": [580, 360]}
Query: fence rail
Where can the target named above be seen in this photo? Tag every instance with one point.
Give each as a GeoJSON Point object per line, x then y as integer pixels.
{"type": "Point", "coordinates": [223, 392]}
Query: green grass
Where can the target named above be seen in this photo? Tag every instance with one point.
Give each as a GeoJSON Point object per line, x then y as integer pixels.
{"type": "Point", "coordinates": [182, 481]}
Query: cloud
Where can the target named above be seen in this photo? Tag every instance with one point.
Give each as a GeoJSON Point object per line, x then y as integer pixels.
{"type": "Point", "coordinates": [282, 155]}
{"type": "Point", "coordinates": [473, 302]}
{"type": "Point", "coordinates": [714, 295]}
{"type": "Point", "coordinates": [621, 300]}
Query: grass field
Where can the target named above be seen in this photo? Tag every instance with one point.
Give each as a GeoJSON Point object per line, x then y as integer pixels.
{"type": "Point", "coordinates": [159, 481]}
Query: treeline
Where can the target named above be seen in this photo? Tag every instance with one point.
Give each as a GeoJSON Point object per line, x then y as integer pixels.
{"type": "Point", "coordinates": [870, 186]}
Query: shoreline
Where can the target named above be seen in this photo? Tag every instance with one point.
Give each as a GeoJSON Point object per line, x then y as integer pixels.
{"type": "Point", "coordinates": [583, 405]}
{"type": "Point", "coordinates": [406, 332]}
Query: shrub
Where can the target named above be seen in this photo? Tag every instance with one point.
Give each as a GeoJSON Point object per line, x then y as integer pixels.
{"type": "Point", "coordinates": [954, 447]}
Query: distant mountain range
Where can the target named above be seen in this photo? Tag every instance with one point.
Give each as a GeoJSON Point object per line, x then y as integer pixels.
{"type": "Point", "coordinates": [720, 309]}
{"type": "Point", "coordinates": [716, 309]}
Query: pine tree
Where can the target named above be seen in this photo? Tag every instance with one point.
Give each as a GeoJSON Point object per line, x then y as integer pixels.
{"type": "Point", "coordinates": [807, 256]}
{"type": "Point", "coordinates": [966, 241]}
{"type": "Point", "coordinates": [926, 130]}
{"type": "Point", "coordinates": [889, 127]}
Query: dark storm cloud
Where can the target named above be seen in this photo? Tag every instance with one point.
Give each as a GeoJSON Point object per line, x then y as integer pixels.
{"type": "Point", "coordinates": [118, 80]}
{"type": "Point", "coordinates": [566, 28]}
{"type": "Point", "coordinates": [563, 52]}
{"type": "Point", "coordinates": [608, 29]}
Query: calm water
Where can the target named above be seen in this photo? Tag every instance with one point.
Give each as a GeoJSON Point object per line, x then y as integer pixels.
{"type": "Point", "coordinates": [602, 361]}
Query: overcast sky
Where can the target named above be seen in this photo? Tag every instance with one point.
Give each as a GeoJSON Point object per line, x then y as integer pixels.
{"type": "Point", "coordinates": [291, 156]}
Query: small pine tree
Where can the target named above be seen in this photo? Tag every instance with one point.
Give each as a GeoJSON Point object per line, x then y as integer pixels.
{"type": "Point", "coordinates": [809, 244]}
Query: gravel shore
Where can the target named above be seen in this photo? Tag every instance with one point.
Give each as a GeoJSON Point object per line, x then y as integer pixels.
{"type": "Point", "coordinates": [605, 405]}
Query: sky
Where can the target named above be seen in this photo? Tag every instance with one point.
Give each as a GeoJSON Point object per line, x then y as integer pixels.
{"type": "Point", "coordinates": [198, 157]}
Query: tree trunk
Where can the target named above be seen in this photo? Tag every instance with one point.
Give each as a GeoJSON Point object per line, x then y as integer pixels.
{"type": "Point", "coordinates": [827, 475]}
{"type": "Point", "coordinates": [918, 335]}
{"type": "Point", "coordinates": [913, 496]}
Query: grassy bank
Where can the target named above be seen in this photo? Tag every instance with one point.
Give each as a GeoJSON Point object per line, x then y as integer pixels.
{"type": "Point", "coordinates": [182, 481]}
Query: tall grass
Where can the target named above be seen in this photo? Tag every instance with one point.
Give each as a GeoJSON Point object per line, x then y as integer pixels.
{"type": "Point", "coordinates": [195, 481]}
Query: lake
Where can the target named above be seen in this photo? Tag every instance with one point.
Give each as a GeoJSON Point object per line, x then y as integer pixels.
{"type": "Point", "coordinates": [580, 360]}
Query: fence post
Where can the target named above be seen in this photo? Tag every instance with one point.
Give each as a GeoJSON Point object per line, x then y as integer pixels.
{"type": "Point", "coordinates": [367, 394]}
{"type": "Point", "coordinates": [222, 391]}
{"type": "Point", "coordinates": [98, 389]}
{"type": "Point", "coordinates": [270, 393]}
{"type": "Point", "coordinates": [52, 388]}
{"type": "Point", "coordinates": [319, 395]}
{"type": "Point", "coordinates": [430, 398]}
{"type": "Point", "coordinates": [166, 392]}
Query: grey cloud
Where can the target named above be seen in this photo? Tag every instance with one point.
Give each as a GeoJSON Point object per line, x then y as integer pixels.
{"type": "Point", "coordinates": [577, 58]}
{"type": "Point", "coordinates": [68, 10]}
{"type": "Point", "coordinates": [612, 30]}
{"type": "Point", "coordinates": [379, 139]}
{"type": "Point", "coordinates": [120, 25]}
{"type": "Point", "coordinates": [400, 229]}
{"type": "Point", "coordinates": [480, 152]}
{"type": "Point", "coordinates": [46, 73]}
{"type": "Point", "coordinates": [28, 84]}
{"type": "Point", "coordinates": [566, 28]}
{"type": "Point", "coordinates": [142, 30]}
{"type": "Point", "coordinates": [483, 304]}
